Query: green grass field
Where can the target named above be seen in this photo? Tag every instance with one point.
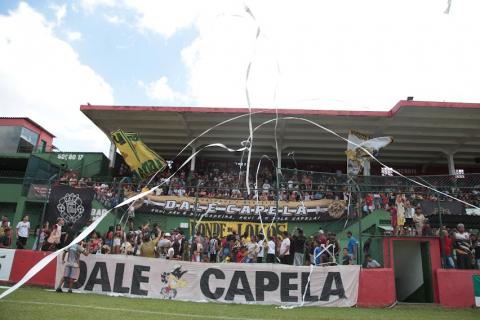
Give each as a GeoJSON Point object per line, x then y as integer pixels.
{"type": "Point", "coordinates": [35, 303]}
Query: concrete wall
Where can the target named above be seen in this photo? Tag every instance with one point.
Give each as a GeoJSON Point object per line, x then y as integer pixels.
{"type": "Point", "coordinates": [377, 288]}
{"type": "Point", "coordinates": [456, 287]}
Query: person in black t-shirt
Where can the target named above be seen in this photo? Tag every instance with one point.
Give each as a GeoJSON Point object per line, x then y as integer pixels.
{"type": "Point", "coordinates": [298, 247]}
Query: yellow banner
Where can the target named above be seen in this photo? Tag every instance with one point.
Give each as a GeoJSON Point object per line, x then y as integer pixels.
{"type": "Point", "coordinates": [224, 228]}
{"type": "Point", "coordinates": [142, 160]}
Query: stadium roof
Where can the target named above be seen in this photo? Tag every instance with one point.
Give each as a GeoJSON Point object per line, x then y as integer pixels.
{"type": "Point", "coordinates": [423, 132]}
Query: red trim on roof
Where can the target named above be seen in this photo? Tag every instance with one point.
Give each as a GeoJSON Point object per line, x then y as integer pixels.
{"type": "Point", "coordinates": [32, 122]}
{"type": "Point", "coordinates": [393, 111]}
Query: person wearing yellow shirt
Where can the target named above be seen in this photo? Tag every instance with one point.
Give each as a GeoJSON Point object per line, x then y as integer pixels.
{"type": "Point", "coordinates": [148, 247]}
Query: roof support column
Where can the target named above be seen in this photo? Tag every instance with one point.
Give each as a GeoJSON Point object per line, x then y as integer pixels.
{"type": "Point", "coordinates": [192, 162]}
{"type": "Point", "coordinates": [451, 164]}
{"type": "Point", "coordinates": [111, 154]}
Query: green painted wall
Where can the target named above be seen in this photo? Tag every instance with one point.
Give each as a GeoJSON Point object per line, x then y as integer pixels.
{"type": "Point", "coordinates": [10, 192]}
{"type": "Point", "coordinates": [110, 220]}
{"type": "Point", "coordinates": [88, 164]}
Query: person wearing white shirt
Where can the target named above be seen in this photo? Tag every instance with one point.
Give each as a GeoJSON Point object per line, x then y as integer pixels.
{"type": "Point", "coordinates": [409, 212]}
{"type": "Point", "coordinates": [261, 248]}
{"type": "Point", "coordinates": [285, 249]}
{"type": "Point", "coordinates": [23, 227]}
{"type": "Point", "coordinates": [271, 250]}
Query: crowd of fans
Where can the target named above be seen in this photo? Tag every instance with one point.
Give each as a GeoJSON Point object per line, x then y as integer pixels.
{"type": "Point", "coordinates": [460, 248]}
{"type": "Point", "coordinates": [293, 185]}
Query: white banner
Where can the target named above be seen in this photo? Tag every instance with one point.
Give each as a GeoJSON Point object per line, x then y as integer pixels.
{"type": "Point", "coordinates": [6, 261]}
{"type": "Point", "coordinates": [221, 282]}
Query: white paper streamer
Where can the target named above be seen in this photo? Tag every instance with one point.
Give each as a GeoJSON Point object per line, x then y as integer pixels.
{"type": "Point", "coordinates": [371, 155]}
{"type": "Point", "coordinates": [42, 263]}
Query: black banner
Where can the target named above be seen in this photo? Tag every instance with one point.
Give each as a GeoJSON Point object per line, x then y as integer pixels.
{"type": "Point", "coordinates": [72, 204]}
{"type": "Point", "coordinates": [245, 213]}
{"type": "Point", "coordinates": [446, 207]}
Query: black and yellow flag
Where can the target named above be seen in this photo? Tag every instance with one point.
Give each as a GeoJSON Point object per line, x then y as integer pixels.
{"type": "Point", "coordinates": [142, 160]}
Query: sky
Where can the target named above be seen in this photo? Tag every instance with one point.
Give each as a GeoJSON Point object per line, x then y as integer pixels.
{"type": "Point", "coordinates": [321, 54]}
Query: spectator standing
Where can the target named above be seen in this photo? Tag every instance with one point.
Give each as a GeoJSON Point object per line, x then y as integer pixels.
{"type": "Point", "coordinates": [118, 238]}
{"type": "Point", "coordinates": [285, 249]}
{"type": "Point", "coordinates": [400, 204]}
{"type": "Point", "coordinates": [419, 220]}
{"type": "Point", "coordinates": [109, 236]}
{"type": "Point", "coordinates": [213, 248]}
{"type": "Point", "coordinates": [94, 245]}
{"type": "Point", "coordinates": [5, 223]}
{"type": "Point", "coordinates": [462, 247]}
{"type": "Point", "coordinates": [23, 228]}
{"type": "Point", "coordinates": [447, 244]}
{"type": "Point", "coordinates": [352, 245]}
{"type": "Point", "coordinates": [298, 245]}
{"type": "Point", "coordinates": [6, 238]}
{"type": "Point", "coordinates": [261, 248]}
{"type": "Point", "coordinates": [53, 240]}
{"type": "Point", "coordinates": [72, 266]}
{"type": "Point", "coordinates": [476, 247]}
{"type": "Point", "coordinates": [393, 218]}
{"type": "Point", "coordinates": [127, 246]}
{"type": "Point", "coordinates": [241, 255]}
{"type": "Point", "coordinates": [318, 252]}
{"type": "Point", "coordinates": [148, 247]}
{"type": "Point", "coordinates": [252, 250]}
{"type": "Point", "coordinates": [369, 207]}
{"type": "Point", "coordinates": [41, 236]}
{"type": "Point", "coordinates": [271, 249]}
{"type": "Point", "coordinates": [197, 249]}
{"type": "Point", "coordinates": [333, 247]}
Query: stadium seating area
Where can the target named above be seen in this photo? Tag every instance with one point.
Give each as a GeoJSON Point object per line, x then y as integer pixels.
{"type": "Point", "coordinates": [397, 195]}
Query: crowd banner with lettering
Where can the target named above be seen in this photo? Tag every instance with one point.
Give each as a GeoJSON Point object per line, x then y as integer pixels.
{"type": "Point", "coordinates": [142, 160]}
{"type": "Point", "coordinates": [258, 283]}
{"type": "Point", "coordinates": [447, 207]}
{"type": "Point", "coordinates": [224, 228]}
{"type": "Point", "coordinates": [74, 205]}
{"type": "Point", "coordinates": [243, 210]}
{"type": "Point", "coordinates": [37, 192]}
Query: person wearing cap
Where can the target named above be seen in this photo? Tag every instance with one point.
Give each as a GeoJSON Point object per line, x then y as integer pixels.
{"type": "Point", "coordinates": [164, 245]}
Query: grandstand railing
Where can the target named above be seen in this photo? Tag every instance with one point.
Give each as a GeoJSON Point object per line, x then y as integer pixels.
{"type": "Point", "coordinates": [330, 185]}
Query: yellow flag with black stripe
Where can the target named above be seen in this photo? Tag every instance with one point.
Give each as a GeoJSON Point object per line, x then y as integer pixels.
{"type": "Point", "coordinates": [142, 160]}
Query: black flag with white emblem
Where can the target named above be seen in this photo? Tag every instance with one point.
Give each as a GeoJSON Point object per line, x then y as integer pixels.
{"type": "Point", "coordinates": [72, 204]}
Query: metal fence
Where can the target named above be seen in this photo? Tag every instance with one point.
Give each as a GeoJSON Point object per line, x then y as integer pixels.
{"type": "Point", "coordinates": [364, 202]}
